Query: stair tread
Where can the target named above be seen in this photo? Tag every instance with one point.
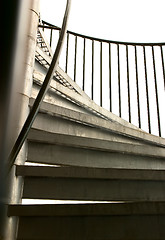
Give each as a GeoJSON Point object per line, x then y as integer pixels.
{"type": "Point", "coordinates": [92, 209]}
{"type": "Point", "coordinates": [90, 173]}
{"type": "Point", "coordinates": [97, 122]}
{"type": "Point", "coordinates": [38, 134]}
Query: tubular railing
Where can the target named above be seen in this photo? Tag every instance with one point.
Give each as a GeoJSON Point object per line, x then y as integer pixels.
{"type": "Point", "coordinates": [35, 108]}
{"type": "Point", "coordinates": [126, 78]}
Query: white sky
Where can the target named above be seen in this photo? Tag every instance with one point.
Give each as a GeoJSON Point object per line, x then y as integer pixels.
{"type": "Point", "coordinates": [122, 20]}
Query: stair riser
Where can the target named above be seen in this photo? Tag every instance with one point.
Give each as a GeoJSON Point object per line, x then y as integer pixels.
{"type": "Point", "coordinates": [75, 156]}
{"type": "Point", "coordinates": [59, 125]}
{"type": "Point", "coordinates": [93, 189]}
{"type": "Point", "coordinates": [89, 228]}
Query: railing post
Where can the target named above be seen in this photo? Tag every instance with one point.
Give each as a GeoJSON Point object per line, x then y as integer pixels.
{"type": "Point", "coordinates": [67, 48]}
{"type": "Point", "coordinates": [147, 93]}
{"type": "Point", "coordinates": [156, 91]}
{"type": "Point", "coordinates": [128, 84]}
{"type": "Point", "coordinates": [101, 74]}
{"type": "Point", "coordinates": [119, 85]}
{"type": "Point", "coordinates": [162, 57]}
{"type": "Point", "coordinates": [84, 50]}
{"type": "Point", "coordinates": [110, 80]}
{"type": "Point", "coordinates": [92, 85]}
{"type": "Point", "coordinates": [137, 87]}
{"type": "Point", "coordinates": [75, 58]}
{"type": "Point", "coordinates": [51, 31]}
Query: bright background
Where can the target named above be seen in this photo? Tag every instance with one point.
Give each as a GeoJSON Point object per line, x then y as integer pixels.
{"type": "Point", "coordinates": [122, 20]}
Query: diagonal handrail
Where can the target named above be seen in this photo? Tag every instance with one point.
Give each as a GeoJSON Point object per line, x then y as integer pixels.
{"type": "Point", "coordinates": [35, 108]}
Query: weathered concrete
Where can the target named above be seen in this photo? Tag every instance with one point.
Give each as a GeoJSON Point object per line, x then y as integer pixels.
{"type": "Point", "coordinates": [81, 140]}
{"type": "Point", "coordinates": [58, 100]}
{"type": "Point", "coordinates": [62, 125]}
{"type": "Point", "coordinates": [91, 209]}
{"type": "Point", "coordinates": [89, 228]}
{"type": "Point", "coordinates": [90, 173]}
{"type": "Point", "coordinates": [120, 221]}
{"type": "Point", "coordinates": [93, 189]}
{"type": "Point", "coordinates": [42, 152]}
{"type": "Point", "coordinates": [92, 184]}
{"type": "Point", "coordinates": [108, 126]}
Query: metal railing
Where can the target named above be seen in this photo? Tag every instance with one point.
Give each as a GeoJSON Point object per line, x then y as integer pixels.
{"type": "Point", "coordinates": [126, 78]}
{"type": "Point", "coordinates": [35, 108]}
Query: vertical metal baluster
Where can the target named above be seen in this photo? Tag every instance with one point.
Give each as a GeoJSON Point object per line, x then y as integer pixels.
{"type": "Point", "coordinates": [156, 91]}
{"type": "Point", "coordinates": [92, 87]}
{"type": "Point", "coordinates": [58, 38]}
{"type": "Point", "coordinates": [162, 64]}
{"type": "Point", "coordinates": [137, 87]}
{"type": "Point", "coordinates": [75, 58]}
{"type": "Point", "coordinates": [41, 44]}
{"type": "Point", "coordinates": [119, 87]}
{"type": "Point", "coordinates": [128, 84]}
{"type": "Point", "coordinates": [84, 65]}
{"type": "Point", "coordinates": [51, 31]}
{"type": "Point", "coordinates": [147, 93]}
{"type": "Point", "coordinates": [67, 47]}
{"type": "Point", "coordinates": [110, 83]}
{"type": "Point", "coordinates": [101, 74]}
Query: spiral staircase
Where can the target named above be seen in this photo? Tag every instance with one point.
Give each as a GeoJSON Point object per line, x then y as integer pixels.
{"type": "Point", "coordinates": [89, 174]}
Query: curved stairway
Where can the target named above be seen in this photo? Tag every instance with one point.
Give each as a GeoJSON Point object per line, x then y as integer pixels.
{"type": "Point", "coordinates": [109, 174]}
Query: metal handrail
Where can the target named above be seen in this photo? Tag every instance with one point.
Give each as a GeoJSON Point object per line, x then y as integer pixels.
{"type": "Point", "coordinates": [47, 25]}
{"type": "Point", "coordinates": [35, 108]}
{"type": "Point", "coordinates": [148, 63]}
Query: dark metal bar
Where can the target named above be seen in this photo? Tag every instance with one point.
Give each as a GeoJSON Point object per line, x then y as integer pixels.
{"type": "Point", "coordinates": [51, 31]}
{"type": "Point", "coordinates": [162, 64]}
{"type": "Point", "coordinates": [75, 58]}
{"type": "Point", "coordinates": [147, 93]}
{"type": "Point", "coordinates": [137, 87]}
{"type": "Point", "coordinates": [128, 84]}
{"type": "Point", "coordinates": [67, 47]}
{"type": "Point", "coordinates": [49, 26]}
{"type": "Point", "coordinates": [35, 108]}
{"type": "Point", "coordinates": [110, 81]}
{"type": "Point", "coordinates": [156, 92]}
{"type": "Point", "coordinates": [84, 65]}
{"type": "Point", "coordinates": [92, 86]}
{"type": "Point", "coordinates": [119, 86]}
{"type": "Point", "coordinates": [101, 74]}
{"type": "Point", "coordinates": [103, 40]}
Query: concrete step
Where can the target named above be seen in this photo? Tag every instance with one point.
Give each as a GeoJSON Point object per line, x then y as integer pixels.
{"type": "Point", "coordinates": [59, 125]}
{"type": "Point", "coordinates": [108, 221]}
{"type": "Point", "coordinates": [67, 149]}
{"type": "Point", "coordinates": [55, 148]}
{"type": "Point", "coordinates": [115, 129]}
{"type": "Point", "coordinates": [77, 183]}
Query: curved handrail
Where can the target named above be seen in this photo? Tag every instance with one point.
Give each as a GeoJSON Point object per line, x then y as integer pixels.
{"type": "Point", "coordinates": [126, 60]}
{"type": "Point", "coordinates": [52, 26]}
{"type": "Point", "coordinates": [35, 108]}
